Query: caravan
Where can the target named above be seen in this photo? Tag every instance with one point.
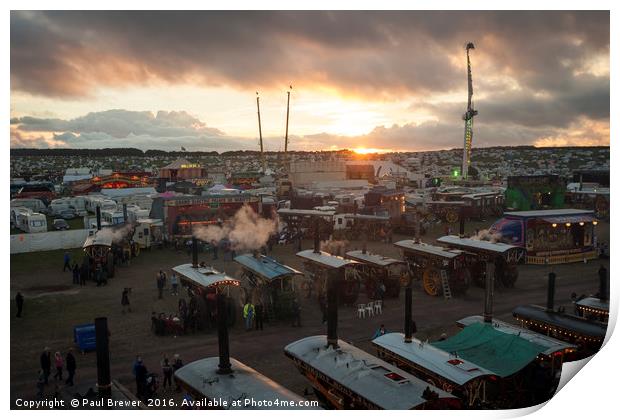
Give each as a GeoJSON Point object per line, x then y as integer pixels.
{"type": "Point", "coordinates": [112, 217]}
{"type": "Point", "coordinates": [31, 222]}
{"type": "Point", "coordinates": [148, 232]}
{"type": "Point", "coordinates": [33, 204]}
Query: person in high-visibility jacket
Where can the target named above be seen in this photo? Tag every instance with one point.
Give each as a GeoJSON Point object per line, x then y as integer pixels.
{"type": "Point", "coordinates": [248, 315]}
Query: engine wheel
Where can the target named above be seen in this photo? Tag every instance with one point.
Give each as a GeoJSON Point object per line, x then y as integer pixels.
{"type": "Point", "coordinates": [452, 216]}
{"type": "Point", "coordinates": [431, 281]}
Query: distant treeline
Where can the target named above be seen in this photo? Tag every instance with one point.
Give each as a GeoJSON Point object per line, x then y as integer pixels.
{"type": "Point", "coordinates": [121, 151]}
{"type": "Point", "coordinates": [130, 151]}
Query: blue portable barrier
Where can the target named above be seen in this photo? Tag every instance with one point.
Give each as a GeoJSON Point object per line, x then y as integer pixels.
{"type": "Point", "coordinates": [84, 337]}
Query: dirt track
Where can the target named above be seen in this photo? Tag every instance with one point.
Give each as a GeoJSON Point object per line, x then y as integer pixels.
{"type": "Point", "coordinates": [53, 306]}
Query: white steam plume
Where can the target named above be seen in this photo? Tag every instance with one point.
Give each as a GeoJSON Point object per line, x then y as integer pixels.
{"type": "Point", "coordinates": [245, 231]}
{"type": "Point", "coordinates": [486, 235]}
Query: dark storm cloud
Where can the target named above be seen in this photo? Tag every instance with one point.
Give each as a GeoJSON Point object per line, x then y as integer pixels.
{"type": "Point", "coordinates": [118, 127]}
{"type": "Point", "coordinates": [55, 53]}
{"type": "Point", "coordinates": [120, 123]}
{"type": "Point", "coordinates": [533, 74]}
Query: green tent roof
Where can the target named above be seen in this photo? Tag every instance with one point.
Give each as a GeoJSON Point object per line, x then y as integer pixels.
{"type": "Point", "coordinates": [491, 349]}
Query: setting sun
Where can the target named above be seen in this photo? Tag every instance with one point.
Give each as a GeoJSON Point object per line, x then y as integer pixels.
{"type": "Point", "coordinates": [366, 150]}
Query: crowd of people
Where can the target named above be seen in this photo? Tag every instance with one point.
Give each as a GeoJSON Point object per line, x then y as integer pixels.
{"type": "Point", "coordinates": [148, 383]}
{"type": "Point", "coordinates": [60, 364]}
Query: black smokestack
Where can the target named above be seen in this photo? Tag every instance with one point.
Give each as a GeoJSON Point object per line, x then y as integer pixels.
{"type": "Point", "coordinates": [551, 291]}
{"type": "Point", "coordinates": [194, 252]}
{"type": "Point", "coordinates": [408, 316]}
{"type": "Point", "coordinates": [333, 277]}
{"type": "Point", "coordinates": [488, 298]}
{"type": "Point", "coordinates": [98, 218]}
{"type": "Point", "coordinates": [462, 222]}
{"type": "Point", "coordinates": [317, 239]}
{"type": "Point", "coordinates": [125, 212]}
{"type": "Point", "coordinates": [603, 293]}
{"type": "Point", "coordinates": [103, 357]}
{"type": "Point", "coordinates": [224, 366]}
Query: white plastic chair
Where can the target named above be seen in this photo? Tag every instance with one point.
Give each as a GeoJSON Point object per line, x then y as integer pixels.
{"type": "Point", "coordinates": [370, 311]}
{"type": "Point", "coordinates": [378, 306]}
{"type": "Point", "coordinates": [361, 311]}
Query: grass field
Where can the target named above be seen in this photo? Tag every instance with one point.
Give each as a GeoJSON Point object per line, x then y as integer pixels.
{"type": "Point", "coordinates": [75, 223]}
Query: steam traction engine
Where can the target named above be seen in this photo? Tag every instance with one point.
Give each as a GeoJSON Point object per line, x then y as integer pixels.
{"type": "Point", "coordinates": [98, 249]}
{"type": "Point", "coordinates": [391, 272]}
{"type": "Point", "coordinates": [498, 259]}
{"type": "Point", "coordinates": [442, 271]}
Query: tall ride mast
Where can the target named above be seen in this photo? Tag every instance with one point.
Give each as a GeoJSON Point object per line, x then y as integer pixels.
{"type": "Point", "coordinates": [468, 117]}
{"type": "Point", "coordinates": [288, 102]}
{"type": "Point", "coordinates": [260, 135]}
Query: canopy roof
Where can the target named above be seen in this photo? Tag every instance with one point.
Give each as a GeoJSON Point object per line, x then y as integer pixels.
{"type": "Point", "coordinates": [99, 238]}
{"type": "Point", "coordinates": [594, 303]}
{"type": "Point", "coordinates": [550, 344]}
{"type": "Point", "coordinates": [565, 321]}
{"type": "Point", "coordinates": [477, 245]}
{"type": "Point", "coordinates": [265, 267]}
{"type": "Point", "coordinates": [428, 356]}
{"type": "Point", "coordinates": [325, 259]}
{"type": "Point", "coordinates": [499, 352]}
{"type": "Point", "coordinates": [410, 245]}
{"type": "Point", "coordinates": [368, 376]}
{"type": "Point", "coordinates": [204, 276]}
{"type": "Point", "coordinates": [372, 259]}
{"type": "Point", "coordinates": [584, 218]}
{"type": "Point", "coordinates": [242, 384]}
{"type": "Point", "coordinates": [549, 213]}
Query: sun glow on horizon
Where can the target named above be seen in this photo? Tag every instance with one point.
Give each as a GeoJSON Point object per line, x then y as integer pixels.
{"type": "Point", "coordinates": [369, 150]}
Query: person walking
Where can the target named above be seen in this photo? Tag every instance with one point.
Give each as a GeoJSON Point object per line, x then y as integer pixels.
{"type": "Point", "coordinates": [259, 316]}
{"type": "Point", "coordinates": [67, 260]}
{"type": "Point", "coordinates": [76, 274]}
{"type": "Point", "coordinates": [125, 300]}
{"type": "Point", "coordinates": [160, 285]}
{"type": "Point", "coordinates": [19, 301]}
{"type": "Point", "coordinates": [71, 366]}
{"type": "Point", "coordinates": [46, 364]}
{"type": "Point", "coordinates": [248, 315]}
{"type": "Point", "coordinates": [140, 373]}
{"type": "Point", "coordinates": [58, 363]}
{"type": "Point", "coordinates": [174, 282]}
{"type": "Point", "coordinates": [296, 313]}
{"type": "Point", "coordinates": [167, 371]}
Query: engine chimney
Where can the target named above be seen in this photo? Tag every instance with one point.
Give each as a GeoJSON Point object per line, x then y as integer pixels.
{"type": "Point", "coordinates": [333, 277]}
{"type": "Point", "coordinates": [104, 386]}
{"type": "Point", "coordinates": [409, 325]}
{"type": "Point", "coordinates": [462, 222]}
{"type": "Point", "coordinates": [488, 297]}
{"type": "Point", "coordinates": [224, 366]}
{"type": "Point", "coordinates": [551, 292]}
{"type": "Point", "coordinates": [194, 252]}
{"type": "Point", "coordinates": [317, 239]}
{"type": "Point", "coordinates": [98, 218]}
{"type": "Point", "coordinates": [603, 293]}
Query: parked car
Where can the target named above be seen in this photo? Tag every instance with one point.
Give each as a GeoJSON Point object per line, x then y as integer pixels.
{"type": "Point", "coordinates": [61, 224]}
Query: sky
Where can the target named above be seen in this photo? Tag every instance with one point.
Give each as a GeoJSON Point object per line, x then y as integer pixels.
{"type": "Point", "coordinates": [381, 80]}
